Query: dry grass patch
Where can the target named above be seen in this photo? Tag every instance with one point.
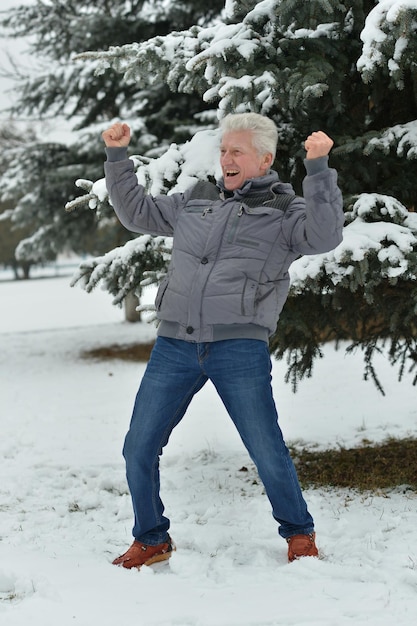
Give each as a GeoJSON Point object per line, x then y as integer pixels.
{"type": "Point", "coordinates": [369, 467]}
{"type": "Point", "coordinates": [131, 352]}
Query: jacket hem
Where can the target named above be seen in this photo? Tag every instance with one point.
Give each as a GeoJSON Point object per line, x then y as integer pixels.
{"type": "Point", "coordinates": [219, 332]}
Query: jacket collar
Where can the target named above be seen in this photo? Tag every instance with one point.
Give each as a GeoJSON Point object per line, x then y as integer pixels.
{"type": "Point", "coordinates": [251, 186]}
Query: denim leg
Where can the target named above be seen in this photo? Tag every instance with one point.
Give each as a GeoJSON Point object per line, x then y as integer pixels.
{"type": "Point", "coordinates": [240, 369]}
{"type": "Point", "coordinates": [171, 379]}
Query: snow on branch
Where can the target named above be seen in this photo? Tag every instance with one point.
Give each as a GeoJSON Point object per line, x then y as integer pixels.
{"type": "Point", "coordinates": [174, 171]}
{"type": "Point", "coordinates": [233, 92]}
{"type": "Point", "coordinates": [380, 228]}
{"type": "Point", "coordinates": [39, 246]}
{"type": "Point", "coordinates": [403, 136]}
{"type": "Point", "coordinates": [219, 60]}
{"type": "Point", "coordinates": [122, 270]}
{"type": "Point", "coordinates": [389, 38]}
{"type": "Point", "coordinates": [237, 38]}
{"type": "Point", "coordinates": [161, 58]}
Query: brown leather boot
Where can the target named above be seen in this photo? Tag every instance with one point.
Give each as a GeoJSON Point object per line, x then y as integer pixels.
{"type": "Point", "coordinates": [142, 554]}
{"type": "Point", "coordinates": [301, 545]}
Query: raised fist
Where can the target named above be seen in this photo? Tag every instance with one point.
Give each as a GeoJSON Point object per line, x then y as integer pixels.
{"type": "Point", "coordinates": [117, 136]}
{"type": "Point", "coordinates": [317, 145]}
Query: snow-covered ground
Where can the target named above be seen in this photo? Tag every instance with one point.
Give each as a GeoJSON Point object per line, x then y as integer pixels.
{"type": "Point", "coordinates": [65, 510]}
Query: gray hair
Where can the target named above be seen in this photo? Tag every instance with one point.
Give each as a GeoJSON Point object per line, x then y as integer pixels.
{"type": "Point", "coordinates": [264, 131]}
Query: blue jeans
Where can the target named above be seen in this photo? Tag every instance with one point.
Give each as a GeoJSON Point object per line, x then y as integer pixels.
{"type": "Point", "coordinates": [240, 369]}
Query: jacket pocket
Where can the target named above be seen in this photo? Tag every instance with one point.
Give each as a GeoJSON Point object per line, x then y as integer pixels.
{"type": "Point", "coordinates": [249, 297]}
{"type": "Point", "coordinates": [199, 207]}
{"type": "Point", "coordinates": [248, 221]}
{"type": "Point", "coordinates": [161, 292]}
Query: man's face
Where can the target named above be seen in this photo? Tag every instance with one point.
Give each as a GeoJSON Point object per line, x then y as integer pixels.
{"type": "Point", "coordinates": [239, 160]}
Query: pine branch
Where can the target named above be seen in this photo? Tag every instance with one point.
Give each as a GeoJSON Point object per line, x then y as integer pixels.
{"type": "Point", "coordinates": [89, 200]}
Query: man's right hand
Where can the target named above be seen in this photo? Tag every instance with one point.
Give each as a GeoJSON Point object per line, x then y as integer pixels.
{"type": "Point", "coordinates": [117, 136]}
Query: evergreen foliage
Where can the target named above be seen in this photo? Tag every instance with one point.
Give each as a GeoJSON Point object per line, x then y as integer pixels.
{"type": "Point", "coordinates": [348, 68]}
{"type": "Point", "coordinates": [10, 234]}
{"type": "Point", "coordinates": [59, 29]}
{"type": "Point", "coordinates": [38, 176]}
{"type": "Point", "coordinates": [369, 298]}
{"type": "Point", "coordinates": [124, 270]}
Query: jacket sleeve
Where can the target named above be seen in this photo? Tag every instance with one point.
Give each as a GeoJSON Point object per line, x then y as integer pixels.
{"type": "Point", "coordinates": [314, 224]}
{"type": "Point", "coordinates": [136, 210]}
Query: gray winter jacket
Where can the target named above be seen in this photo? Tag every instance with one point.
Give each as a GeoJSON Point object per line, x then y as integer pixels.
{"type": "Point", "coordinates": [228, 275]}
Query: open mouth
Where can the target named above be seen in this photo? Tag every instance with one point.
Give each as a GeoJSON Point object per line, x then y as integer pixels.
{"type": "Point", "coordinates": [231, 173]}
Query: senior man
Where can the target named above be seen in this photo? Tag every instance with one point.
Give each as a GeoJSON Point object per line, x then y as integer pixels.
{"type": "Point", "coordinates": [226, 284]}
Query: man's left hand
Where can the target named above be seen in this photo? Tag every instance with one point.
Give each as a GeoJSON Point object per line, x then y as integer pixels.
{"type": "Point", "coordinates": [318, 145]}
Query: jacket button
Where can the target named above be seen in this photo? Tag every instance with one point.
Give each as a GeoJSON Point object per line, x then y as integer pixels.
{"type": "Point", "coordinates": [204, 260]}
{"type": "Point", "coordinates": [189, 330]}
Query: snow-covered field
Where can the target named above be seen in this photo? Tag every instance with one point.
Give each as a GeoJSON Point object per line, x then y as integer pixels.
{"type": "Point", "coordinates": [65, 511]}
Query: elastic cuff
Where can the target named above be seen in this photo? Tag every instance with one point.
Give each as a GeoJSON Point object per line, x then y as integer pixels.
{"type": "Point", "coordinates": [315, 166]}
{"type": "Point", "coordinates": [116, 154]}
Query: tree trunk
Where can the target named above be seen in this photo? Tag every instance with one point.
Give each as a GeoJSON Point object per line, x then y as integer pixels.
{"type": "Point", "coordinates": [131, 302]}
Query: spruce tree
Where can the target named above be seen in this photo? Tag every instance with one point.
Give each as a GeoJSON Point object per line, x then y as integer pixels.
{"type": "Point", "coordinates": [348, 68]}
{"type": "Point", "coordinates": [10, 235]}
{"type": "Point", "coordinates": [37, 177]}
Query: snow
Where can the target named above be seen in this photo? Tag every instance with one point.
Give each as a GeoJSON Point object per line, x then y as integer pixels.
{"type": "Point", "coordinates": [361, 238]}
{"type": "Point", "coordinates": [404, 134]}
{"type": "Point", "coordinates": [385, 16]}
{"type": "Point", "coordinates": [65, 511]}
